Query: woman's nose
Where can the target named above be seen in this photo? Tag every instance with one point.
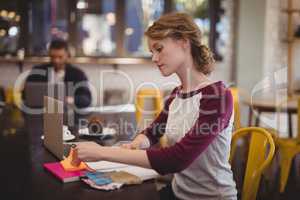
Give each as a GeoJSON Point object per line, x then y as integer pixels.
{"type": "Point", "coordinates": [154, 58]}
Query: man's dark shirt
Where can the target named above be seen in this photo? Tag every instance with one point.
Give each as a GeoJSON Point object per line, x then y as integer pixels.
{"type": "Point", "coordinates": [73, 76]}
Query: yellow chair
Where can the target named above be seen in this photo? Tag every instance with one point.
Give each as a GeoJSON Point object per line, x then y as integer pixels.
{"type": "Point", "coordinates": [288, 148]}
{"type": "Point", "coordinates": [9, 98]}
{"type": "Point", "coordinates": [143, 94]}
{"type": "Point", "coordinates": [237, 117]}
{"type": "Point", "coordinates": [155, 94]}
{"type": "Point", "coordinates": [260, 143]}
{"type": "Point", "coordinates": [13, 96]}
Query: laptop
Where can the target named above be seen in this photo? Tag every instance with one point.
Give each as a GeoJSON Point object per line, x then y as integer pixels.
{"type": "Point", "coordinates": [53, 127]}
{"type": "Point", "coordinates": [35, 92]}
{"type": "Point", "coordinates": [122, 118]}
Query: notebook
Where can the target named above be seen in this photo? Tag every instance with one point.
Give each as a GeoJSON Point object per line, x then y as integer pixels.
{"type": "Point", "coordinates": [106, 166]}
{"type": "Point", "coordinates": [57, 170]}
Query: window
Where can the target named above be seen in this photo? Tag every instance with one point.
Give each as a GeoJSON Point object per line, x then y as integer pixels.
{"type": "Point", "coordinates": [139, 15]}
{"type": "Point", "coordinates": [101, 28]}
{"type": "Point", "coordinates": [96, 32]}
{"type": "Point", "coordinates": [208, 14]}
{"type": "Point", "coordinates": [9, 27]}
{"type": "Point", "coordinates": [47, 19]}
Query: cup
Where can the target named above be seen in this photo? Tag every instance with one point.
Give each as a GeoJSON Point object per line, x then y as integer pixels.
{"type": "Point", "coordinates": [66, 132]}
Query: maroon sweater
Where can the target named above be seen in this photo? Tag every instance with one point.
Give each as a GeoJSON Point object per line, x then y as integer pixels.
{"type": "Point", "coordinates": [214, 113]}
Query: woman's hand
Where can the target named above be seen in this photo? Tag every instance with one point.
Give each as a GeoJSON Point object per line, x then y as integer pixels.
{"type": "Point", "coordinates": [88, 151]}
{"type": "Point", "coordinates": [137, 143]}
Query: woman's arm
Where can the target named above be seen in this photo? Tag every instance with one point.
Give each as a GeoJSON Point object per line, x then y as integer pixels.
{"type": "Point", "coordinates": [90, 151]}
{"type": "Point", "coordinates": [140, 142]}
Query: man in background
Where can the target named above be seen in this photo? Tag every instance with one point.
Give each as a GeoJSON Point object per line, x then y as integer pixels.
{"type": "Point", "coordinates": [58, 70]}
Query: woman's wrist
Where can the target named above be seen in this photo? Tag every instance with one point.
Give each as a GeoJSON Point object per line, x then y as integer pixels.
{"type": "Point", "coordinates": [126, 156]}
{"type": "Point", "coordinates": [103, 153]}
{"type": "Point", "coordinates": [142, 141]}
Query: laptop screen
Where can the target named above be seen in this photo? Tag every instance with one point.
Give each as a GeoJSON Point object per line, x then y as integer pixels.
{"type": "Point", "coordinates": [53, 126]}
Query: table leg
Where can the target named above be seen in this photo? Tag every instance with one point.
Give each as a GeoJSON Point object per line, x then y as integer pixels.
{"type": "Point", "coordinates": [257, 118]}
{"type": "Point", "coordinates": [250, 116]}
{"type": "Point", "coordinates": [290, 119]}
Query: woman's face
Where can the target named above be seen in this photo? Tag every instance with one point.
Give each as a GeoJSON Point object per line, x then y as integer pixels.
{"type": "Point", "coordinates": [168, 54]}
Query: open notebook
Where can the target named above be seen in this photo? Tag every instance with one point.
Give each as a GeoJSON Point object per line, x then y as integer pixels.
{"type": "Point", "coordinates": [105, 166]}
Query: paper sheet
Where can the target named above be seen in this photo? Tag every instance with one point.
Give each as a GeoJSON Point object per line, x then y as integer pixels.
{"type": "Point", "coordinates": [143, 173]}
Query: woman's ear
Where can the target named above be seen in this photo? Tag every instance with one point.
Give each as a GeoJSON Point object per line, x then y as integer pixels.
{"type": "Point", "coordinates": [185, 44]}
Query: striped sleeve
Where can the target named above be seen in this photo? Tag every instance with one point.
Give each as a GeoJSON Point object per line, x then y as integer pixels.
{"type": "Point", "coordinates": [214, 116]}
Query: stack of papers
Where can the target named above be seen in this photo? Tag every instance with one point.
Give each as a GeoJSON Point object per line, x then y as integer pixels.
{"type": "Point", "coordinates": [105, 166]}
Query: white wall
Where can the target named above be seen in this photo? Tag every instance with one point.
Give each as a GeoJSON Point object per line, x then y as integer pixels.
{"type": "Point", "coordinates": [250, 49]}
{"type": "Point", "coordinates": [274, 49]}
{"type": "Point", "coordinates": [275, 33]}
{"type": "Point", "coordinates": [262, 52]}
{"type": "Point", "coordinates": [104, 77]}
{"type": "Point", "coordinates": [296, 65]}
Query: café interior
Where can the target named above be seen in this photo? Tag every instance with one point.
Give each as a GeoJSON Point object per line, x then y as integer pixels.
{"type": "Point", "coordinates": [256, 47]}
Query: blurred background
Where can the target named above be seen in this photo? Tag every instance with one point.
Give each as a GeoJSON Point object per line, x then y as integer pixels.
{"type": "Point", "coordinates": [255, 43]}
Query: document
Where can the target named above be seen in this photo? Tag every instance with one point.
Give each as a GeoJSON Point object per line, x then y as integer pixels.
{"type": "Point", "coordinates": [105, 166]}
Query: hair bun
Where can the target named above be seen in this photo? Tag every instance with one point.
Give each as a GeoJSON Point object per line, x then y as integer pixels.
{"type": "Point", "coordinates": [206, 54]}
{"type": "Point", "coordinates": [206, 59]}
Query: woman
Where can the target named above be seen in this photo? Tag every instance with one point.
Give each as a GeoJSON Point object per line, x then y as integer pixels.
{"type": "Point", "coordinates": [197, 118]}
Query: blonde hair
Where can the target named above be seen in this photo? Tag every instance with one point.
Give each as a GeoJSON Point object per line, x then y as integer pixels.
{"type": "Point", "coordinates": [182, 26]}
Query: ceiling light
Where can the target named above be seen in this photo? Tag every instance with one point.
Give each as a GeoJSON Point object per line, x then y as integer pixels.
{"type": "Point", "coordinates": [81, 5]}
{"type": "Point", "coordinates": [111, 18]}
{"type": "Point", "coordinates": [2, 32]}
{"type": "Point", "coordinates": [13, 31]}
{"type": "Point", "coordinates": [11, 14]}
{"type": "Point", "coordinates": [18, 18]}
{"type": "Point", "coordinates": [3, 13]}
{"type": "Point", "coordinates": [129, 31]}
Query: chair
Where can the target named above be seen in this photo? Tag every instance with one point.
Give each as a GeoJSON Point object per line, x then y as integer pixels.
{"type": "Point", "coordinates": [13, 96]}
{"type": "Point", "coordinates": [9, 96]}
{"type": "Point", "coordinates": [260, 155]}
{"type": "Point", "coordinates": [155, 94]}
{"type": "Point", "coordinates": [237, 113]}
{"type": "Point", "coordinates": [288, 148]}
{"type": "Point", "coordinates": [237, 117]}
